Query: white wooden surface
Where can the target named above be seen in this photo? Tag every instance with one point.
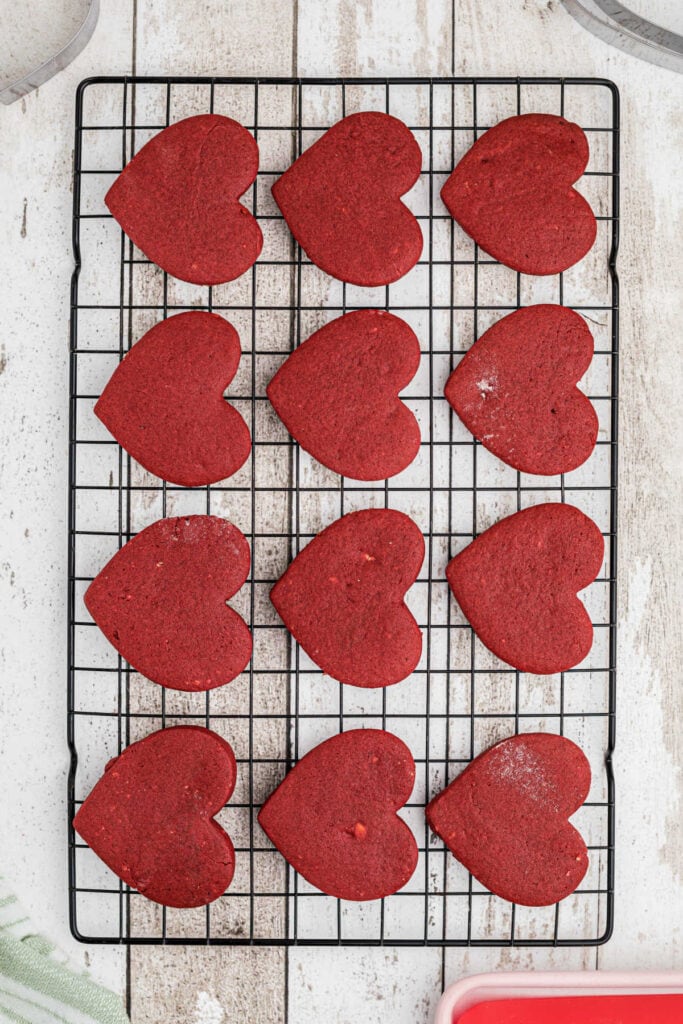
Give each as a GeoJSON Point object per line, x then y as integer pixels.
{"type": "Point", "coordinates": [501, 37]}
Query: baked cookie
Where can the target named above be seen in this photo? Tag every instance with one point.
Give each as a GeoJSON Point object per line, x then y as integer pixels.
{"type": "Point", "coordinates": [178, 199]}
{"type": "Point", "coordinates": [342, 200]}
{"type": "Point", "coordinates": [333, 817]}
{"type": "Point", "coordinates": [506, 818]}
{"type": "Point", "coordinates": [515, 390]}
{"type": "Point", "coordinates": [150, 817]}
{"type": "Point", "coordinates": [517, 585]}
{"type": "Point", "coordinates": [164, 403]}
{"type": "Point", "coordinates": [512, 193]}
{"type": "Point", "coordinates": [342, 598]}
{"type": "Point", "coordinates": [337, 394]}
{"type": "Point", "coordinates": [161, 602]}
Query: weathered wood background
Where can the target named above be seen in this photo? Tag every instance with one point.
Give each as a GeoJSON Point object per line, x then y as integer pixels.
{"type": "Point", "coordinates": [308, 37]}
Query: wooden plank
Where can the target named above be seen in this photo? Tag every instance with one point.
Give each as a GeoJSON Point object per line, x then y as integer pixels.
{"type": "Point", "coordinates": [346, 985]}
{"type": "Point", "coordinates": [192, 985]}
{"type": "Point", "coordinates": [374, 37]}
{"type": "Point", "coordinates": [215, 37]}
{"type": "Point", "coordinates": [540, 38]}
{"type": "Point", "coordinates": [342, 37]}
{"type": "Point", "coordinates": [238, 983]}
{"type": "Point", "coordinates": [35, 233]}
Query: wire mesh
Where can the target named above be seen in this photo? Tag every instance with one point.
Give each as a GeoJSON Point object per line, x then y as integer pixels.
{"type": "Point", "coordinates": [461, 698]}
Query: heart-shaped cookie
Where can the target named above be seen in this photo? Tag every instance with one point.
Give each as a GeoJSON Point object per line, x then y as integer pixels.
{"type": "Point", "coordinates": [515, 390]}
{"type": "Point", "coordinates": [342, 200]}
{"type": "Point", "coordinates": [178, 199]}
{"type": "Point", "coordinates": [517, 585]}
{"type": "Point", "coordinates": [161, 602]}
{"type": "Point", "coordinates": [512, 193]}
{"type": "Point", "coordinates": [334, 815]}
{"type": "Point", "coordinates": [342, 598]}
{"type": "Point", "coordinates": [150, 816]}
{"type": "Point", "coordinates": [506, 818]}
{"type": "Point", "coordinates": [164, 403]}
{"type": "Point", "coordinates": [337, 394]}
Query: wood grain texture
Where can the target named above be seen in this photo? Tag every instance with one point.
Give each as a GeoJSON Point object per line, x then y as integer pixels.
{"type": "Point", "coordinates": [542, 39]}
{"type": "Point", "coordinates": [347, 37]}
{"type": "Point", "coordinates": [35, 216]}
{"type": "Point", "coordinates": [531, 37]}
{"type": "Point", "coordinates": [192, 985]}
{"type": "Point", "coordinates": [241, 38]}
{"type": "Point", "coordinates": [215, 37]}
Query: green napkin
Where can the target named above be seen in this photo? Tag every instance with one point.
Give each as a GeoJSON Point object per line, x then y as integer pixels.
{"type": "Point", "coordinates": [37, 986]}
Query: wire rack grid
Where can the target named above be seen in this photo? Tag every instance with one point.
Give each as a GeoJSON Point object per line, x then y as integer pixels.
{"type": "Point", "coordinates": [461, 698]}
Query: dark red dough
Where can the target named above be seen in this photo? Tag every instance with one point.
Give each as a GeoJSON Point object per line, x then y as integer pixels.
{"type": "Point", "coordinates": [578, 1010]}
{"type": "Point", "coordinates": [337, 394]}
{"type": "Point", "coordinates": [164, 403]}
{"type": "Point", "coordinates": [334, 815]}
{"type": "Point", "coordinates": [512, 193]}
{"type": "Point", "coordinates": [178, 199]}
{"type": "Point", "coordinates": [150, 816]}
{"type": "Point", "coordinates": [515, 390]}
{"type": "Point", "coordinates": [342, 598]}
{"type": "Point", "coordinates": [342, 200]}
{"type": "Point", "coordinates": [517, 585]}
{"type": "Point", "coordinates": [161, 602]}
{"type": "Point", "coordinates": [506, 818]}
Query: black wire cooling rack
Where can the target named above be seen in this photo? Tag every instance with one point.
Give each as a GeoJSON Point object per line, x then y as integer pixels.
{"type": "Point", "coordinates": [461, 698]}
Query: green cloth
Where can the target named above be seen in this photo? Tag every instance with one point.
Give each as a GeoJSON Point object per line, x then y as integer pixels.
{"type": "Point", "coordinates": [37, 986]}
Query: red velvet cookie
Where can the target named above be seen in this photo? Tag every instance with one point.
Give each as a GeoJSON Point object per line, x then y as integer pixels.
{"type": "Point", "coordinates": [334, 815]}
{"type": "Point", "coordinates": [164, 403]}
{"type": "Point", "coordinates": [337, 394]}
{"type": "Point", "coordinates": [342, 200]}
{"type": "Point", "coordinates": [150, 817]}
{"type": "Point", "coordinates": [517, 585]}
{"type": "Point", "coordinates": [161, 602]}
{"type": "Point", "coordinates": [506, 818]}
{"type": "Point", "coordinates": [515, 390]}
{"type": "Point", "coordinates": [342, 598]}
{"type": "Point", "coordinates": [178, 199]}
{"type": "Point", "coordinates": [512, 193]}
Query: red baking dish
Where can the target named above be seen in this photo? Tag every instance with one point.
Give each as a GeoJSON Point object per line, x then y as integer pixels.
{"type": "Point", "coordinates": [580, 997]}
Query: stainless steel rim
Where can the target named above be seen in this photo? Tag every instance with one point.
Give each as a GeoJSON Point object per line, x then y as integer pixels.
{"type": "Point", "coordinates": [610, 21]}
{"type": "Point", "coordinates": [50, 67]}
